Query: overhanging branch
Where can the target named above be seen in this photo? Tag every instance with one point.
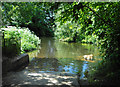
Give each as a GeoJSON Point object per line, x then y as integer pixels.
{"type": "Point", "coordinates": [108, 22]}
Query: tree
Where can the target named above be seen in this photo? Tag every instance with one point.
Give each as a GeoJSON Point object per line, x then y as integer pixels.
{"type": "Point", "coordinates": [37, 16]}
{"type": "Point", "coordinates": [96, 22]}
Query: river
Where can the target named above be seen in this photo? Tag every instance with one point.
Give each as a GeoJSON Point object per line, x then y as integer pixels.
{"type": "Point", "coordinates": [57, 56]}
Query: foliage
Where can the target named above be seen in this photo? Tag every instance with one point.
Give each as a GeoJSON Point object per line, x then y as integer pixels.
{"type": "Point", "coordinates": [38, 17]}
{"type": "Point", "coordinates": [23, 40]}
{"type": "Point", "coordinates": [97, 22]}
{"type": "Point", "coordinates": [29, 41]}
{"type": "Point", "coordinates": [90, 39]}
{"type": "Point", "coordinates": [75, 24]}
{"type": "Point", "coordinates": [91, 22]}
{"type": "Point", "coordinates": [10, 43]}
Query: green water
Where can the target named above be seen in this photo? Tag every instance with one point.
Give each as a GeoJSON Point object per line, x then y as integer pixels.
{"type": "Point", "coordinates": [56, 56]}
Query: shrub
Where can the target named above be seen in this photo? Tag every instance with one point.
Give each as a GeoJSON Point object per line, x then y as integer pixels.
{"type": "Point", "coordinates": [29, 41]}
{"type": "Point", "coordinates": [18, 40]}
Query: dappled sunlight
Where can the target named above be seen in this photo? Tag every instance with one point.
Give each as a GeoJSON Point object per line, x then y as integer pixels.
{"type": "Point", "coordinates": [26, 78]}
{"type": "Point", "coordinates": [68, 40]}
{"type": "Point", "coordinates": [26, 83]}
{"type": "Point", "coordinates": [34, 74]}
{"type": "Point", "coordinates": [56, 64]}
{"type": "Point", "coordinates": [49, 79]}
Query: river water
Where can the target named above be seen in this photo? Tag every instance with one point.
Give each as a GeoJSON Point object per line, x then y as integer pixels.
{"type": "Point", "coordinates": [57, 56]}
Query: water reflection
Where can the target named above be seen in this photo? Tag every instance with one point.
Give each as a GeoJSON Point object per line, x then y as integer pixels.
{"type": "Point", "coordinates": [54, 65]}
{"type": "Point", "coordinates": [51, 48]}
{"type": "Point", "coordinates": [84, 68]}
{"type": "Point", "coordinates": [56, 56]}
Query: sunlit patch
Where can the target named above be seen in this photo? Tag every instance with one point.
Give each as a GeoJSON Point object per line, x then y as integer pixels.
{"type": "Point", "coordinates": [12, 84]}
{"type": "Point", "coordinates": [34, 74]}
{"type": "Point", "coordinates": [53, 80]}
{"type": "Point", "coordinates": [49, 84]}
{"type": "Point", "coordinates": [84, 44]}
{"type": "Point", "coordinates": [67, 83]}
{"type": "Point", "coordinates": [39, 78]}
{"type": "Point", "coordinates": [71, 63]}
{"type": "Point", "coordinates": [27, 82]}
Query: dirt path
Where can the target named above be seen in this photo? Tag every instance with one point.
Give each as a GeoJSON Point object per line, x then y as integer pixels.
{"type": "Point", "coordinates": [49, 78]}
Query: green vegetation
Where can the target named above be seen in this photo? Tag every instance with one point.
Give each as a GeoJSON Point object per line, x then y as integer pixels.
{"type": "Point", "coordinates": [87, 22]}
{"type": "Point", "coordinates": [76, 25]}
{"type": "Point", "coordinates": [10, 43]}
{"type": "Point", "coordinates": [19, 41]}
{"type": "Point", "coordinates": [29, 41]}
{"type": "Point", "coordinates": [93, 22]}
{"type": "Point", "coordinates": [35, 15]}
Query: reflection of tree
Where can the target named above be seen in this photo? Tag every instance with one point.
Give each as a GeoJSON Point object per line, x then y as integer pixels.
{"type": "Point", "coordinates": [33, 54]}
{"type": "Point", "coordinates": [51, 48]}
{"type": "Point", "coordinates": [84, 68]}
{"type": "Point", "coordinates": [70, 65]}
{"type": "Point", "coordinates": [47, 48]}
{"type": "Point", "coordinates": [72, 50]}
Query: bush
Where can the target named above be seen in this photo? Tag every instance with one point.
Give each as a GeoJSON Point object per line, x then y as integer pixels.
{"type": "Point", "coordinates": [17, 41]}
{"type": "Point", "coordinates": [10, 43]}
{"type": "Point", "coordinates": [29, 41]}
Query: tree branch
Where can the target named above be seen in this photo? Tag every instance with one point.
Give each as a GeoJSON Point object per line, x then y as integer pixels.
{"type": "Point", "coordinates": [108, 22]}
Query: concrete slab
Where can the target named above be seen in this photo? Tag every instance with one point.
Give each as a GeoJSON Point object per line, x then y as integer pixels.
{"type": "Point", "coordinates": [40, 79]}
{"type": "Point", "coordinates": [9, 64]}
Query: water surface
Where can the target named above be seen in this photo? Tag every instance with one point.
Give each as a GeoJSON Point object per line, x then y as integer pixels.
{"type": "Point", "coordinates": [57, 56]}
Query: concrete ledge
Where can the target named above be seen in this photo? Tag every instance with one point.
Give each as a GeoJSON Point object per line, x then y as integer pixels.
{"type": "Point", "coordinates": [15, 63]}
